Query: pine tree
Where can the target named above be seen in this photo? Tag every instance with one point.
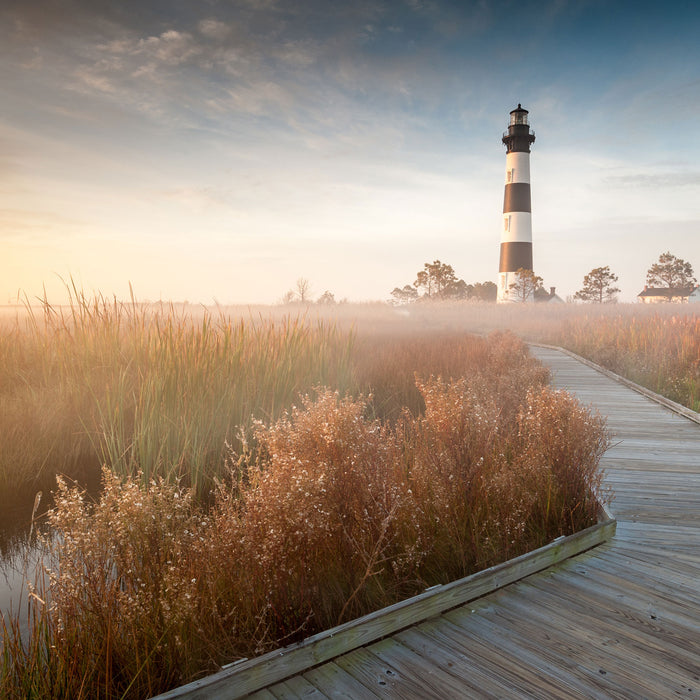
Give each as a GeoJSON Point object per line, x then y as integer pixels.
{"type": "Point", "coordinates": [671, 272]}
{"type": "Point", "coordinates": [598, 286]}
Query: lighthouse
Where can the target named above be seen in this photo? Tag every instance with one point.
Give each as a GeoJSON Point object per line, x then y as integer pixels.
{"type": "Point", "coordinates": [516, 234]}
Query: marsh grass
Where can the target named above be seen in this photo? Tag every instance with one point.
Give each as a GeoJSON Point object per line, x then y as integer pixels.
{"type": "Point", "coordinates": [159, 389]}
{"type": "Point", "coordinates": [659, 350]}
{"type": "Point", "coordinates": [328, 510]}
{"type": "Point", "coordinates": [147, 390]}
{"type": "Point", "coordinates": [657, 345]}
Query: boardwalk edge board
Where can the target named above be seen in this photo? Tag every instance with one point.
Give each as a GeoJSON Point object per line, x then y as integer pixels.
{"type": "Point", "coordinates": [668, 403]}
{"type": "Point", "coordinates": [246, 676]}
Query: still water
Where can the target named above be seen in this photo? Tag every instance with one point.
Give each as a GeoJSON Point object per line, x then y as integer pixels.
{"type": "Point", "coordinates": [20, 560]}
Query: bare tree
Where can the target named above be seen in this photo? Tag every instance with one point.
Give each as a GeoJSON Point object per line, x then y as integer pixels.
{"type": "Point", "coordinates": [289, 297]}
{"type": "Point", "coordinates": [598, 286]}
{"type": "Point", "coordinates": [303, 289]}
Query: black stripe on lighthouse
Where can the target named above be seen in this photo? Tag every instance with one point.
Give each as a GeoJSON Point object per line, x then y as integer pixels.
{"type": "Point", "coordinates": [514, 256]}
{"type": "Point", "coordinates": [517, 197]}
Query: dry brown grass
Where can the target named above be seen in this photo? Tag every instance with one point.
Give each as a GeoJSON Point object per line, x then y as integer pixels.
{"type": "Point", "coordinates": [659, 349]}
{"type": "Point", "coordinates": [324, 514]}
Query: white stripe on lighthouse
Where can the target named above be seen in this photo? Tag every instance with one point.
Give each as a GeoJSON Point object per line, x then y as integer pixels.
{"type": "Point", "coordinates": [517, 226]}
{"type": "Point", "coordinates": [518, 164]}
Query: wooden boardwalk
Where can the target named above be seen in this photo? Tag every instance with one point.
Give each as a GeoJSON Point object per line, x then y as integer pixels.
{"type": "Point", "coordinates": [618, 621]}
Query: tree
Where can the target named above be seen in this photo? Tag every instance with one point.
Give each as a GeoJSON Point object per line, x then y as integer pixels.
{"type": "Point", "coordinates": [671, 272]}
{"type": "Point", "coordinates": [525, 285]}
{"type": "Point", "coordinates": [326, 298]}
{"type": "Point", "coordinates": [457, 290]}
{"type": "Point", "coordinates": [289, 297]}
{"type": "Point", "coordinates": [598, 286]}
{"type": "Point", "coordinates": [485, 291]}
{"type": "Point", "coordinates": [438, 281]}
{"type": "Point", "coordinates": [303, 290]}
{"type": "Point", "coordinates": [404, 295]}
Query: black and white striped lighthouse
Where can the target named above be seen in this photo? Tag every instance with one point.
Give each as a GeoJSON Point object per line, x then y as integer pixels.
{"type": "Point", "coordinates": [516, 235]}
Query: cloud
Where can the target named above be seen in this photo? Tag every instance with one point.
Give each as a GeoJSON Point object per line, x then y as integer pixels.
{"type": "Point", "coordinates": [306, 65]}
{"type": "Point", "coordinates": [654, 180]}
{"type": "Point", "coordinates": [214, 29]}
{"type": "Point", "coordinates": [301, 53]}
{"type": "Point", "coordinates": [144, 56]}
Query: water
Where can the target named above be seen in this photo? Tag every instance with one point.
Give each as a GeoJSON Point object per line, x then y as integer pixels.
{"type": "Point", "coordinates": [20, 561]}
{"type": "Point", "coordinates": [21, 557]}
{"type": "Point", "coordinates": [15, 571]}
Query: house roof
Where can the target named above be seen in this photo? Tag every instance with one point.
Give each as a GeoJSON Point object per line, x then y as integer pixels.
{"type": "Point", "coordinates": [667, 292]}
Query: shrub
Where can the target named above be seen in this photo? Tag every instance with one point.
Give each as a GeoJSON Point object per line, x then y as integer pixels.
{"type": "Point", "coordinates": [326, 513]}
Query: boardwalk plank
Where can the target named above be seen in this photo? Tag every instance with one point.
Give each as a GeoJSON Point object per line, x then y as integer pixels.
{"type": "Point", "coordinates": [514, 637]}
{"type": "Point", "coordinates": [383, 678]}
{"type": "Point", "coordinates": [475, 657]}
{"type": "Point", "coordinates": [297, 687]}
{"type": "Point", "coordinates": [431, 675]}
{"type": "Point", "coordinates": [474, 680]}
{"type": "Point", "coordinates": [509, 659]}
{"type": "Point", "coordinates": [555, 659]}
{"type": "Point", "coordinates": [615, 645]}
{"type": "Point", "coordinates": [558, 608]}
{"type": "Point", "coordinates": [339, 684]}
{"type": "Point", "coordinates": [263, 694]}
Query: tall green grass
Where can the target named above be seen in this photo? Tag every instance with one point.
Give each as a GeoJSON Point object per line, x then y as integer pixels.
{"type": "Point", "coordinates": [146, 390]}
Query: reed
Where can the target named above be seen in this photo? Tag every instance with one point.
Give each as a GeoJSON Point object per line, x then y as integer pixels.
{"type": "Point", "coordinates": [324, 513]}
{"type": "Point", "coordinates": [147, 390]}
{"type": "Point", "coordinates": [159, 389]}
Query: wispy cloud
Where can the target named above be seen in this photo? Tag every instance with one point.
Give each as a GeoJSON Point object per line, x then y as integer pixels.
{"type": "Point", "coordinates": [659, 180]}
{"type": "Point", "coordinates": [214, 29]}
{"type": "Point", "coordinates": [267, 59]}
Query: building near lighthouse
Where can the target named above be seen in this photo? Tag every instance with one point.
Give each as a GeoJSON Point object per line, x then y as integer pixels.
{"type": "Point", "coordinates": [516, 234]}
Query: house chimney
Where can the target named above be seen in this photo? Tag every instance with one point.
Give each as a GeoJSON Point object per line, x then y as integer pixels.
{"type": "Point", "coordinates": [551, 291]}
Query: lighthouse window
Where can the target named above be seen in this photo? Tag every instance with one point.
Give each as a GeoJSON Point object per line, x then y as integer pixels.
{"type": "Point", "coordinates": [510, 175]}
{"type": "Point", "coordinates": [506, 223]}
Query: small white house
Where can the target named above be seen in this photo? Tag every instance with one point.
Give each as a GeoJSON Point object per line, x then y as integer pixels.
{"type": "Point", "coordinates": [694, 296]}
{"type": "Point", "coordinates": [665, 295]}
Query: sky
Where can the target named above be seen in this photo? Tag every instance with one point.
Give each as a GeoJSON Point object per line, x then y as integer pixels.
{"type": "Point", "coordinates": [218, 151]}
